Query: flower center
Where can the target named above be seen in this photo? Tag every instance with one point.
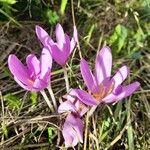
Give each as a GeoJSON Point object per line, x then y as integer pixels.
{"type": "Point", "coordinates": [81, 107]}
{"type": "Point", "coordinates": [32, 78]}
{"type": "Point", "coordinates": [103, 91]}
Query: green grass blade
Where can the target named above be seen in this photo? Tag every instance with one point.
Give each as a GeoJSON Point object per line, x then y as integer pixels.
{"type": "Point", "coordinates": [10, 18]}
{"type": "Point", "coordinates": [63, 6]}
{"type": "Point", "coordinates": [129, 129]}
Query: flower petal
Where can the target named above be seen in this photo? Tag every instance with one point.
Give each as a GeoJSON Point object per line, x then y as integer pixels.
{"type": "Point", "coordinates": [39, 85]}
{"type": "Point", "coordinates": [22, 85]}
{"type": "Point", "coordinates": [18, 69]}
{"type": "Point", "coordinates": [72, 130]}
{"type": "Point", "coordinates": [87, 75]}
{"type": "Point", "coordinates": [33, 64]}
{"type": "Point", "coordinates": [124, 92]}
{"type": "Point", "coordinates": [74, 38]}
{"type": "Point", "coordinates": [41, 34]}
{"type": "Point", "coordinates": [60, 36]}
{"type": "Point", "coordinates": [45, 63]}
{"type": "Point", "coordinates": [80, 108]}
{"type": "Point", "coordinates": [83, 96]}
{"type": "Point", "coordinates": [59, 56]}
{"type": "Point", "coordinates": [66, 106]}
{"type": "Point", "coordinates": [103, 64]}
{"type": "Point", "coordinates": [66, 46]}
{"type": "Point", "coordinates": [120, 76]}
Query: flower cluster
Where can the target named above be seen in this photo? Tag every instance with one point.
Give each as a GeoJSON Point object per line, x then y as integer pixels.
{"type": "Point", "coordinates": [102, 86]}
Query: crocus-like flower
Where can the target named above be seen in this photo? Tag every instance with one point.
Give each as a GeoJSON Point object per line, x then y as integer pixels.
{"type": "Point", "coordinates": [72, 130]}
{"type": "Point", "coordinates": [73, 126]}
{"type": "Point", "coordinates": [36, 75]}
{"type": "Point", "coordinates": [62, 48]}
{"type": "Point", "coordinates": [102, 87]}
{"type": "Point", "coordinates": [72, 105]}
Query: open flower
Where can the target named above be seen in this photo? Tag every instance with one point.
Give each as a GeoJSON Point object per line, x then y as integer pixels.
{"type": "Point", "coordinates": [36, 75]}
{"type": "Point", "coordinates": [102, 87]}
{"type": "Point", "coordinates": [62, 48]}
{"type": "Point", "coordinates": [73, 126]}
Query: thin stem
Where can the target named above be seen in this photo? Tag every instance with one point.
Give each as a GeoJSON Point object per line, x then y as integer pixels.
{"type": "Point", "coordinates": [91, 111]}
{"type": "Point", "coordinates": [52, 97]}
{"type": "Point", "coordinates": [73, 16]}
{"type": "Point", "coordinates": [47, 101]}
{"type": "Point", "coordinates": [74, 23]}
{"type": "Point", "coordinates": [66, 78]}
{"type": "Point", "coordinates": [86, 131]}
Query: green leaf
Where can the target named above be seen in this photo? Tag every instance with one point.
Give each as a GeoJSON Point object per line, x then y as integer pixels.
{"type": "Point", "coordinates": [90, 33]}
{"type": "Point", "coordinates": [51, 134]}
{"type": "Point", "coordinates": [10, 2]}
{"type": "Point", "coordinates": [52, 16]}
{"type": "Point", "coordinates": [107, 123]}
{"type": "Point", "coordinates": [139, 36]}
{"type": "Point", "coordinates": [10, 18]}
{"type": "Point", "coordinates": [119, 37]}
{"type": "Point", "coordinates": [130, 137]}
{"type": "Point", "coordinates": [63, 6]}
{"type": "Point", "coordinates": [4, 128]}
{"type": "Point", "coordinates": [130, 131]}
{"type": "Point", "coordinates": [33, 98]}
{"type": "Point", "coordinates": [136, 55]}
{"type": "Point", "coordinates": [12, 101]}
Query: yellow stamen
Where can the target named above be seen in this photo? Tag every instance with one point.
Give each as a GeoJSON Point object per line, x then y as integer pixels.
{"type": "Point", "coordinates": [30, 82]}
{"type": "Point", "coordinates": [103, 92]}
{"type": "Point", "coordinates": [81, 107]}
{"type": "Point", "coordinates": [110, 88]}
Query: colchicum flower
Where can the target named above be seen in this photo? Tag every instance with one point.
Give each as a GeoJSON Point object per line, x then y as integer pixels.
{"type": "Point", "coordinates": [73, 126]}
{"type": "Point", "coordinates": [62, 48]}
{"type": "Point", "coordinates": [72, 130]}
{"type": "Point", "coordinates": [102, 87]}
{"type": "Point", "coordinates": [36, 75]}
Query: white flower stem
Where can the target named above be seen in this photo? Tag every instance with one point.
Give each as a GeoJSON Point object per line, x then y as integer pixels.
{"type": "Point", "coordinates": [47, 101]}
{"type": "Point", "coordinates": [74, 23]}
{"type": "Point", "coordinates": [91, 111]}
{"type": "Point", "coordinates": [52, 96]}
{"type": "Point", "coordinates": [66, 78]}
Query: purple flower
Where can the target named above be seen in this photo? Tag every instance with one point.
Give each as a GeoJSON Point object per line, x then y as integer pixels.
{"type": "Point", "coordinates": [72, 105]}
{"type": "Point", "coordinates": [102, 87]}
{"type": "Point", "coordinates": [62, 48]}
{"type": "Point", "coordinates": [72, 130]}
{"type": "Point", "coordinates": [36, 75]}
{"type": "Point", "coordinates": [73, 127]}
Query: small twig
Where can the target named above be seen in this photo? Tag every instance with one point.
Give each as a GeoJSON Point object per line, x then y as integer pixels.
{"type": "Point", "coordinates": [30, 146]}
{"type": "Point", "coordinates": [74, 23]}
{"type": "Point", "coordinates": [95, 136]}
{"type": "Point", "coordinates": [118, 137]}
{"type": "Point", "coordinates": [47, 101]}
{"type": "Point", "coordinates": [91, 111]}
{"type": "Point", "coordinates": [86, 132]}
{"type": "Point", "coordinates": [95, 139]}
{"type": "Point", "coordinates": [2, 104]}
